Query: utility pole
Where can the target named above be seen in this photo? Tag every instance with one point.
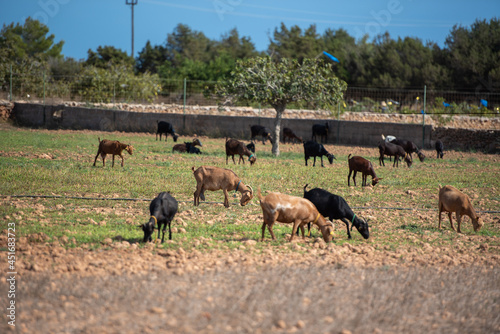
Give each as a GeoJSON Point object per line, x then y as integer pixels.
{"type": "Point", "coordinates": [132, 3]}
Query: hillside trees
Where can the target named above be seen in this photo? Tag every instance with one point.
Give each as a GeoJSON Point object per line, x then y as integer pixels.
{"type": "Point", "coordinates": [474, 55]}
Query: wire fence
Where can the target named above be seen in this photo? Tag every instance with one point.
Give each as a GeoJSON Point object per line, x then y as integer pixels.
{"type": "Point", "coordinates": [207, 202]}
{"type": "Point", "coordinates": [130, 89]}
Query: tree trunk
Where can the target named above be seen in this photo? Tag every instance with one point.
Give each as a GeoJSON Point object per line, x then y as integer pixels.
{"type": "Point", "coordinates": [277, 129]}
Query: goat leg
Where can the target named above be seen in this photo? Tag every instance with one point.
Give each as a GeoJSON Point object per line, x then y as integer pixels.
{"type": "Point", "coordinates": [295, 228]}
{"type": "Point", "coordinates": [346, 222]}
{"type": "Point", "coordinates": [263, 230]}
{"type": "Point", "coordinates": [451, 221]}
{"type": "Point", "coordinates": [458, 221]}
{"type": "Point", "coordinates": [226, 198]}
{"type": "Point", "coordinates": [439, 217]}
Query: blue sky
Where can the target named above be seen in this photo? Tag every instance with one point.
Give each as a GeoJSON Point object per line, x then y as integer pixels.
{"type": "Point", "coordinates": [87, 24]}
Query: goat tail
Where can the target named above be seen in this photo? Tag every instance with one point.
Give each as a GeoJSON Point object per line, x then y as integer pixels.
{"type": "Point", "coordinates": [99, 139]}
{"type": "Point", "coordinates": [259, 195]}
{"type": "Point", "coordinates": [305, 188]}
{"type": "Point", "coordinates": [349, 156]}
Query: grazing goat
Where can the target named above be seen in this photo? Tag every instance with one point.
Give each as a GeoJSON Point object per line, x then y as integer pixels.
{"type": "Point", "coordinates": [439, 149]}
{"type": "Point", "coordinates": [112, 147]}
{"type": "Point", "coordinates": [453, 200]}
{"type": "Point", "coordinates": [396, 151]}
{"type": "Point", "coordinates": [166, 128]}
{"type": "Point", "coordinates": [258, 130]}
{"type": "Point", "coordinates": [251, 147]}
{"type": "Point", "coordinates": [162, 209]}
{"type": "Point", "coordinates": [313, 149]}
{"type": "Point", "coordinates": [188, 147]}
{"type": "Point", "coordinates": [215, 178]}
{"type": "Point", "coordinates": [409, 148]}
{"type": "Point", "coordinates": [234, 146]}
{"type": "Point", "coordinates": [336, 207]}
{"type": "Point", "coordinates": [320, 130]}
{"type": "Point", "coordinates": [291, 209]}
{"type": "Point", "coordinates": [290, 135]}
{"type": "Point", "coordinates": [359, 164]}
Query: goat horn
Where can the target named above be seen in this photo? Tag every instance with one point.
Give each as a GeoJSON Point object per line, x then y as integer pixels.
{"type": "Point", "coordinates": [251, 190]}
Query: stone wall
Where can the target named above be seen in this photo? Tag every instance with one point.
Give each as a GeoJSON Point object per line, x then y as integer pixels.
{"type": "Point", "coordinates": [341, 132]}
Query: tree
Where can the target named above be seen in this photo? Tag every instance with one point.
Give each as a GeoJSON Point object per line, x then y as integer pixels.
{"type": "Point", "coordinates": [279, 83]}
{"type": "Point", "coordinates": [474, 55]}
{"type": "Point", "coordinates": [185, 43]}
{"type": "Point", "coordinates": [30, 40]}
{"type": "Point", "coordinates": [294, 44]}
{"type": "Point", "coordinates": [106, 56]}
{"type": "Point", "coordinates": [151, 58]}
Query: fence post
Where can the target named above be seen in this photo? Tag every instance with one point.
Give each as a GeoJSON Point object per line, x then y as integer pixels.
{"type": "Point", "coordinates": [338, 124]}
{"type": "Point", "coordinates": [43, 87]}
{"type": "Point", "coordinates": [10, 98]}
{"type": "Point", "coordinates": [423, 116]}
{"type": "Point", "coordinates": [184, 108]}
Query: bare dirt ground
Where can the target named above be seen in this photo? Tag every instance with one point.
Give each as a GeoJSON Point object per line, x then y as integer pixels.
{"type": "Point", "coordinates": [122, 288]}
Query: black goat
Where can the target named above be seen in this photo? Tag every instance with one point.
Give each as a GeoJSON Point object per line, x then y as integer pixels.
{"type": "Point", "coordinates": [393, 150]}
{"type": "Point", "coordinates": [409, 148]}
{"type": "Point", "coordinates": [439, 149]}
{"type": "Point", "coordinates": [251, 147]}
{"type": "Point", "coordinates": [188, 147]}
{"type": "Point", "coordinates": [162, 209]}
{"type": "Point", "coordinates": [166, 128]}
{"type": "Point", "coordinates": [320, 130]}
{"type": "Point", "coordinates": [336, 207]}
{"type": "Point", "coordinates": [313, 149]}
{"type": "Point", "coordinates": [193, 150]}
{"type": "Point", "coordinates": [259, 130]}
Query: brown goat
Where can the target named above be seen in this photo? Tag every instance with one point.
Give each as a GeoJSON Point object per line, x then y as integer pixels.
{"type": "Point", "coordinates": [453, 200]}
{"type": "Point", "coordinates": [234, 146]}
{"type": "Point", "coordinates": [291, 209]}
{"type": "Point", "coordinates": [183, 148]}
{"type": "Point", "coordinates": [215, 178]}
{"type": "Point", "coordinates": [290, 135]}
{"type": "Point", "coordinates": [112, 147]}
{"type": "Point", "coordinates": [359, 164]}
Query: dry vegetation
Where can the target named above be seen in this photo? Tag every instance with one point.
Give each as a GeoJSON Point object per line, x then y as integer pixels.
{"type": "Point", "coordinates": [82, 268]}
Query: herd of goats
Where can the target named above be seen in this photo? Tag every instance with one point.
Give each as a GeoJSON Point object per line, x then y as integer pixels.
{"type": "Point", "coordinates": [316, 205]}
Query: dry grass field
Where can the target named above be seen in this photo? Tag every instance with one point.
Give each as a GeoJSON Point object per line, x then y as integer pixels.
{"type": "Point", "coordinates": [82, 268]}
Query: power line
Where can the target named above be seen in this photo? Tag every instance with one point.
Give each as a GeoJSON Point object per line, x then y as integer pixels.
{"type": "Point", "coordinates": [147, 200]}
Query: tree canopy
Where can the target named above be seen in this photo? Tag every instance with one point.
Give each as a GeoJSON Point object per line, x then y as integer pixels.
{"type": "Point", "coordinates": [278, 83]}
{"type": "Point", "coordinates": [30, 40]}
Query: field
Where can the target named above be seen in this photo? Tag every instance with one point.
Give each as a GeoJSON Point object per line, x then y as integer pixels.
{"type": "Point", "coordinates": [82, 267]}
